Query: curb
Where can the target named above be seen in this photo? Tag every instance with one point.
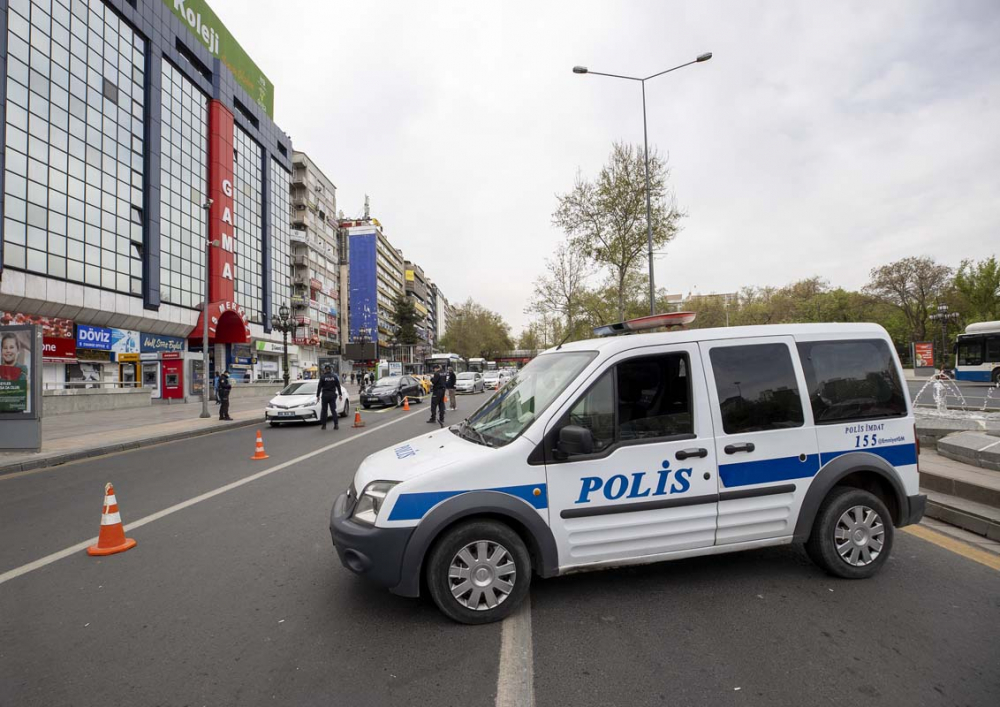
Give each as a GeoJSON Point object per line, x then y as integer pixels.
{"type": "Point", "coordinates": [60, 459]}
{"type": "Point", "coordinates": [963, 518]}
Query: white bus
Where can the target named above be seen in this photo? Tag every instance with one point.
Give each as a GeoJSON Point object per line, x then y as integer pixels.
{"type": "Point", "coordinates": [477, 365]}
{"type": "Point", "coordinates": [444, 360]}
{"type": "Point", "coordinates": [978, 353]}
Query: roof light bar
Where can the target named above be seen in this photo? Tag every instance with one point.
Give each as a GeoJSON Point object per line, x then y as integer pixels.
{"type": "Point", "coordinates": [653, 321]}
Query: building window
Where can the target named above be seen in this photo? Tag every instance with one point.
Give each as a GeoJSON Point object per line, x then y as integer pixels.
{"type": "Point", "coordinates": [183, 180]}
{"type": "Point", "coordinates": [249, 224]}
{"type": "Point", "coordinates": [281, 290]}
{"type": "Point", "coordinates": [72, 149]}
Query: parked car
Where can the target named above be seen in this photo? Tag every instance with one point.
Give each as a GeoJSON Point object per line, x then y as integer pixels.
{"type": "Point", "coordinates": [297, 403]}
{"type": "Point", "coordinates": [470, 382]}
{"type": "Point", "coordinates": [391, 391]}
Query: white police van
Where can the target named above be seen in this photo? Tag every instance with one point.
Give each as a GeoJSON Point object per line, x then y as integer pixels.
{"type": "Point", "coordinates": [644, 448]}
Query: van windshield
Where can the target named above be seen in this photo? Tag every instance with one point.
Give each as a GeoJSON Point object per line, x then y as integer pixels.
{"type": "Point", "coordinates": [509, 412]}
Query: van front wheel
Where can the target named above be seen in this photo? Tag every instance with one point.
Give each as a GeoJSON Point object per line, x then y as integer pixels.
{"type": "Point", "coordinates": [479, 572]}
{"type": "Point", "coordinates": [852, 534]}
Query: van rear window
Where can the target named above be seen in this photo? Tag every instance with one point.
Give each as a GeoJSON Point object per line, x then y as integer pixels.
{"type": "Point", "coordinates": [851, 380]}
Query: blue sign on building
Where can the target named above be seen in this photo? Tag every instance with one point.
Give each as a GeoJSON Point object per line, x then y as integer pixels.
{"type": "Point", "coordinates": [364, 295]}
{"type": "Point", "coordinates": [157, 343]}
{"type": "Point", "coordinates": [93, 337]}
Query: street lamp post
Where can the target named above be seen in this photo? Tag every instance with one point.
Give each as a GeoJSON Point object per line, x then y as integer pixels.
{"type": "Point", "coordinates": [645, 143]}
{"type": "Point", "coordinates": [282, 321]}
{"type": "Point", "coordinates": [204, 318]}
{"type": "Point", "coordinates": [944, 316]}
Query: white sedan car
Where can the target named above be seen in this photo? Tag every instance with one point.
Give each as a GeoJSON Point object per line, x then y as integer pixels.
{"type": "Point", "coordinates": [298, 403]}
{"type": "Point", "coordinates": [470, 382]}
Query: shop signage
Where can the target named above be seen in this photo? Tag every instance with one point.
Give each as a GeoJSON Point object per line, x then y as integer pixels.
{"type": "Point", "coordinates": [221, 229]}
{"type": "Point", "coordinates": [58, 342]}
{"type": "Point", "coordinates": [271, 347]}
{"type": "Point", "coordinates": [209, 30]}
{"type": "Point", "coordinates": [270, 366]}
{"type": "Point", "coordinates": [155, 343]}
{"type": "Point", "coordinates": [170, 354]}
{"type": "Point", "coordinates": [104, 339]}
{"type": "Point", "coordinates": [146, 357]}
{"type": "Point", "coordinates": [128, 357]}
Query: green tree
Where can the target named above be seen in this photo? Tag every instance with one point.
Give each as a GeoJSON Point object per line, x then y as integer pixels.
{"type": "Point", "coordinates": [475, 331]}
{"type": "Point", "coordinates": [606, 218]}
{"type": "Point", "coordinates": [560, 291]}
{"type": "Point", "coordinates": [407, 318]}
{"type": "Point", "coordinates": [978, 286]}
{"type": "Point", "coordinates": [911, 285]}
{"type": "Point", "coordinates": [531, 337]}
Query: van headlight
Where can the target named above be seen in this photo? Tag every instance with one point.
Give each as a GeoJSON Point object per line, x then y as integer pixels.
{"type": "Point", "coordinates": [371, 500]}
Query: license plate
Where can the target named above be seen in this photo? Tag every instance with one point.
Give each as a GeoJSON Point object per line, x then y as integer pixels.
{"type": "Point", "coordinates": [286, 413]}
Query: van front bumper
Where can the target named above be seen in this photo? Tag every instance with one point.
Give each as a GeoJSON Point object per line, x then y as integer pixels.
{"type": "Point", "coordinates": [375, 553]}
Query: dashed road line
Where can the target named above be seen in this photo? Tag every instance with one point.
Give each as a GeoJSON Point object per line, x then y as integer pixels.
{"type": "Point", "coordinates": [516, 676]}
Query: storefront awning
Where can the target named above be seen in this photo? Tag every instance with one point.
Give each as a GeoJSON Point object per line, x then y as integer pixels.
{"type": "Point", "coordinates": [227, 324]}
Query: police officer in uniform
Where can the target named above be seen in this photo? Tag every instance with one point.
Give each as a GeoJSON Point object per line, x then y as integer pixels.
{"type": "Point", "coordinates": [327, 392]}
{"type": "Point", "coordinates": [224, 386]}
{"type": "Point", "coordinates": [438, 382]}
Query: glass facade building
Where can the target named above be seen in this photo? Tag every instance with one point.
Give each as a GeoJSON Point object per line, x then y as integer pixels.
{"type": "Point", "coordinates": [104, 161]}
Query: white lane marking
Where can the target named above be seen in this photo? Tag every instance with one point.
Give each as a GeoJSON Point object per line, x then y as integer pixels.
{"type": "Point", "coordinates": [56, 556]}
{"type": "Point", "coordinates": [516, 677]}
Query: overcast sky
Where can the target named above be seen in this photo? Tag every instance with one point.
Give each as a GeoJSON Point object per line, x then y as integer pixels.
{"type": "Point", "coordinates": [822, 138]}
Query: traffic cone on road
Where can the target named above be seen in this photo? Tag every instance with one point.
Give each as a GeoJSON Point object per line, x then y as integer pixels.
{"type": "Point", "coordinates": [406, 404]}
{"type": "Point", "coordinates": [259, 451]}
{"type": "Point", "coordinates": [112, 538]}
{"type": "Point", "coordinates": [446, 398]}
{"type": "Point", "coordinates": [358, 422]}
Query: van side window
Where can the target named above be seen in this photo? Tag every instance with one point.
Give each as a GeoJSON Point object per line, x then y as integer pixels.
{"type": "Point", "coordinates": [851, 380]}
{"type": "Point", "coordinates": [654, 397]}
{"type": "Point", "coordinates": [596, 412]}
{"type": "Point", "coordinates": [757, 388]}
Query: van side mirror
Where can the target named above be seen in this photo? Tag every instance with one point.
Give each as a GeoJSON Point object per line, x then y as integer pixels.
{"type": "Point", "coordinates": [573, 440]}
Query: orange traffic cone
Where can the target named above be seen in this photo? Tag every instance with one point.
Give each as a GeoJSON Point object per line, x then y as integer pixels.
{"type": "Point", "coordinates": [358, 422]}
{"type": "Point", "coordinates": [112, 538]}
{"type": "Point", "coordinates": [446, 398]}
{"type": "Point", "coordinates": [406, 404]}
{"type": "Point", "coordinates": [259, 452]}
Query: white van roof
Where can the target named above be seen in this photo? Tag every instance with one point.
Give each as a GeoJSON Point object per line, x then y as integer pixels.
{"type": "Point", "coordinates": [614, 344]}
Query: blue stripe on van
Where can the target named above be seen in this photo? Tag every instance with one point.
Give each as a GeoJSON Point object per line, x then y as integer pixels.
{"type": "Point", "coordinates": [764, 471]}
{"type": "Point", "coordinates": [414, 506]}
{"type": "Point", "coordinates": [895, 454]}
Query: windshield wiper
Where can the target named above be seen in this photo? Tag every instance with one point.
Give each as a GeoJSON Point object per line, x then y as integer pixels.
{"type": "Point", "coordinates": [465, 426]}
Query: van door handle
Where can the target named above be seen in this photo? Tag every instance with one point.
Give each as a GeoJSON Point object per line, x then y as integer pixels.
{"type": "Point", "coordinates": [685, 453]}
{"type": "Point", "coordinates": [741, 447]}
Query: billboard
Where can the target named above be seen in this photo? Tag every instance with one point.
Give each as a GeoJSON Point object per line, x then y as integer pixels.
{"type": "Point", "coordinates": [213, 35]}
{"type": "Point", "coordinates": [923, 354]}
{"type": "Point", "coordinates": [16, 357]}
{"type": "Point", "coordinates": [157, 343]}
{"type": "Point", "coordinates": [364, 305]}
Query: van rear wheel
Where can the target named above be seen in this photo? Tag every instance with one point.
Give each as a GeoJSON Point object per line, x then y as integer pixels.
{"type": "Point", "coordinates": [479, 572]}
{"type": "Point", "coordinates": [852, 534]}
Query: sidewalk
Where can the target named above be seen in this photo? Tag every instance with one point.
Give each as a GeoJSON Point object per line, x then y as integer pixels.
{"type": "Point", "coordinates": [66, 438]}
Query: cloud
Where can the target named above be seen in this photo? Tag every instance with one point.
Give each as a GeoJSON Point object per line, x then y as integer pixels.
{"type": "Point", "coordinates": [821, 138]}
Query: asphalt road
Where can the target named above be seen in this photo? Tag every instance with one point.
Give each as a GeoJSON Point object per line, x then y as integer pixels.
{"type": "Point", "coordinates": [239, 600]}
{"type": "Point", "coordinates": [959, 393]}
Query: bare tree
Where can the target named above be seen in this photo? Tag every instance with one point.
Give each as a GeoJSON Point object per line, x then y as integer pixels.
{"type": "Point", "coordinates": [562, 289]}
{"type": "Point", "coordinates": [911, 285]}
{"type": "Point", "coordinates": [606, 218]}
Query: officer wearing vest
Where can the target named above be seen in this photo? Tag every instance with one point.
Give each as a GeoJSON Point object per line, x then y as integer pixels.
{"type": "Point", "coordinates": [327, 392]}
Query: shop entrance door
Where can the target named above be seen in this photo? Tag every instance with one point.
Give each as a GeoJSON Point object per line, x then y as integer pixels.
{"type": "Point", "coordinates": [151, 378]}
{"type": "Point", "coordinates": [173, 380]}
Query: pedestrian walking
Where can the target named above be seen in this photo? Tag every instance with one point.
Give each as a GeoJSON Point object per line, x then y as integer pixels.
{"type": "Point", "coordinates": [352, 377]}
{"type": "Point", "coordinates": [438, 383]}
{"type": "Point", "coordinates": [222, 395]}
{"type": "Point", "coordinates": [327, 391]}
{"type": "Point", "coordinates": [450, 386]}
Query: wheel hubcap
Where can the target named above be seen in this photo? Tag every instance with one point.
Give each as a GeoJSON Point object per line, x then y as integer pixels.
{"type": "Point", "coordinates": [859, 536]}
{"type": "Point", "coordinates": [481, 575]}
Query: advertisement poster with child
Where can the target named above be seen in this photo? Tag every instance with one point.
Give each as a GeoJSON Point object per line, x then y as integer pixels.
{"type": "Point", "coordinates": [15, 370]}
